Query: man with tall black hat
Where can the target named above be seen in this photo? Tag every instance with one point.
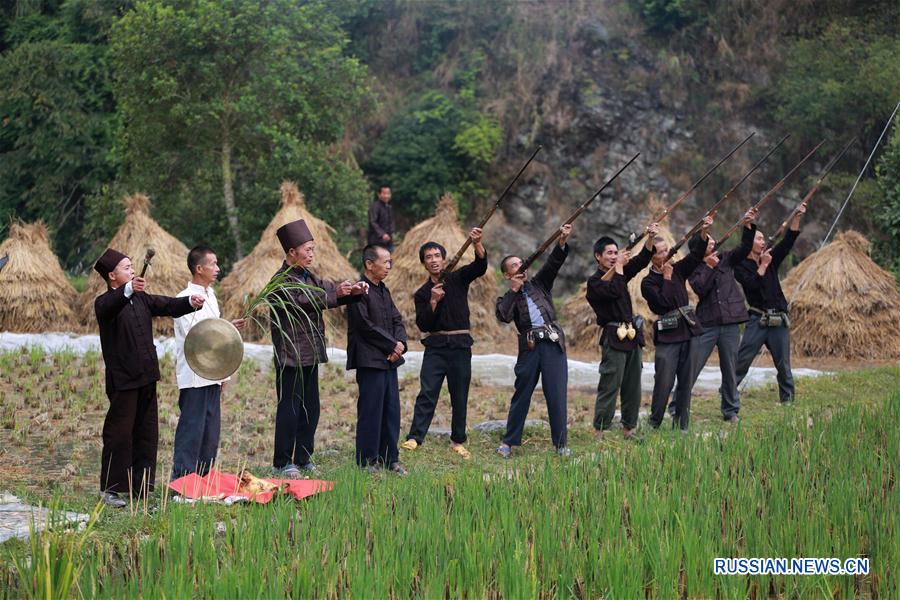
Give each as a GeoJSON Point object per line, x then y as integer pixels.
{"type": "Point", "coordinates": [442, 314]}
{"type": "Point", "coordinates": [376, 342]}
{"type": "Point", "coordinates": [298, 337]}
{"type": "Point", "coordinates": [131, 429]}
{"type": "Point", "coordinates": [542, 345]}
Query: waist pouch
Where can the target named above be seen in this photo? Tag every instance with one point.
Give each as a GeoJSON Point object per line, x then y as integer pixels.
{"type": "Point", "coordinates": [541, 334]}
{"type": "Point", "coordinates": [773, 318]}
{"type": "Point", "coordinates": [671, 318]}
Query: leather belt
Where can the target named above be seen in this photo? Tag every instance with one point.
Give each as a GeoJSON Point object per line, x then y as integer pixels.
{"type": "Point", "coordinates": [451, 332]}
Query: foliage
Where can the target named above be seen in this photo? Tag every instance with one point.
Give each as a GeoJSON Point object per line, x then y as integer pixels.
{"type": "Point", "coordinates": [666, 16]}
{"type": "Point", "coordinates": [844, 81]}
{"type": "Point", "coordinates": [210, 91]}
{"type": "Point", "coordinates": [56, 121]}
{"type": "Point", "coordinates": [887, 212]}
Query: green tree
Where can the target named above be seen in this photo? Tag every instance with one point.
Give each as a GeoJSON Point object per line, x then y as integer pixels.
{"type": "Point", "coordinates": [226, 90]}
{"type": "Point", "coordinates": [887, 211]}
{"type": "Point", "coordinates": [841, 82]}
{"type": "Point", "coordinates": [57, 116]}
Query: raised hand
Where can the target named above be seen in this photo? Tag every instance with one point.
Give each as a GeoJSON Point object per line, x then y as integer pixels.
{"type": "Point", "coordinates": [564, 232]}
{"type": "Point", "coordinates": [197, 301]}
{"type": "Point", "coordinates": [137, 284]}
{"type": "Point", "coordinates": [517, 281]}
{"type": "Point", "coordinates": [667, 270]}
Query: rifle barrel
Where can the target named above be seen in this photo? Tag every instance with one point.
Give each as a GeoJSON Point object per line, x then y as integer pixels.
{"type": "Point", "coordinates": [725, 197]}
{"type": "Point", "coordinates": [770, 193]}
{"type": "Point", "coordinates": [528, 261]}
{"type": "Point", "coordinates": [812, 191]}
{"type": "Point", "coordinates": [459, 254]}
{"type": "Point", "coordinates": [635, 239]}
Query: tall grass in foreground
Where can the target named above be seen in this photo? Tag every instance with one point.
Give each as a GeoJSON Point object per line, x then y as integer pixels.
{"type": "Point", "coordinates": [645, 521]}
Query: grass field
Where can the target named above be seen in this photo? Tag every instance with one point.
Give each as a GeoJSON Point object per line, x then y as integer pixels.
{"type": "Point", "coordinates": [617, 520]}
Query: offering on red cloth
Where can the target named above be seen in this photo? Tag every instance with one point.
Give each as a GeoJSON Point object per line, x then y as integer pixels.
{"type": "Point", "coordinates": [216, 486]}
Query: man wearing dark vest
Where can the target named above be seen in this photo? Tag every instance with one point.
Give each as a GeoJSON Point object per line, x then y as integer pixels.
{"type": "Point", "coordinates": [298, 338]}
{"type": "Point", "coordinates": [621, 335]}
{"type": "Point", "coordinates": [131, 429]}
{"type": "Point", "coordinates": [376, 342]}
{"type": "Point", "coordinates": [665, 290]}
{"type": "Point", "coordinates": [721, 310]}
{"type": "Point", "coordinates": [542, 345]}
{"type": "Point", "coordinates": [442, 314]}
{"type": "Point", "coordinates": [768, 324]}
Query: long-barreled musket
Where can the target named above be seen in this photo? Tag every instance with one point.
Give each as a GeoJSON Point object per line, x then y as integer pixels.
{"type": "Point", "coordinates": [812, 191]}
{"type": "Point", "coordinates": [635, 239]}
{"type": "Point", "coordinates": [537, 253]}
{"type": "Point", "coordinates": [769, 195]}
{"type": "Point", "coordinates": [674, 249]}
{"type": "Point", "coordinates": [456, 257]}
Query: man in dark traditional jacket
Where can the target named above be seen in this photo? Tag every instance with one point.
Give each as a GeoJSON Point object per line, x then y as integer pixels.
{"type": "Point", "coordinates": [665, 290]}
{"type": "Point", "coordinates": [298, 338]}
{"type": "Point", "coordinates": [131, 429]}
{"type": "Point", "coordinates": [381, 220]}
{"type": "Point", "coordinates": [621, 335]}
{"type": "Point", "coordinates": [768, 324]}
{"type": "Point", "coordinates": [721, 310]}
{"type": "Point", "coordinates": [376, 342]}
{"type": "Point", "coordinates": [542, 345]}
{"type": "Point", "coordinates": [442, 314]}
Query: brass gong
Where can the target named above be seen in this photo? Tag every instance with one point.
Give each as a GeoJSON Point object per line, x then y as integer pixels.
{"type": "Point", "coordinates": [214, 349]}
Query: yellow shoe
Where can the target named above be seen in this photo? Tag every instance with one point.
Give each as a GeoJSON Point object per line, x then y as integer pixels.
{"type": "Point", "coordinates": [461, 450]}
{"type": "Point", "coordinates": [410, 444]}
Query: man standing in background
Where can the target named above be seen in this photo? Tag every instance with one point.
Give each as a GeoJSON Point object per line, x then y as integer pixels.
{"type": "Point", "coordinates": [381, 220]}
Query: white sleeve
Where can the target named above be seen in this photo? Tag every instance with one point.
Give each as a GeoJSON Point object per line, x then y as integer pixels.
{"type": "Point", "coordinates": [129, 290]}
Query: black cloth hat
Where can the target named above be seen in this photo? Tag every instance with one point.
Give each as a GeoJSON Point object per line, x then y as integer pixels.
{"type": "Point", "coordinates": [294, 234]}
{"type": "Point", "coordinates": [107, 263]}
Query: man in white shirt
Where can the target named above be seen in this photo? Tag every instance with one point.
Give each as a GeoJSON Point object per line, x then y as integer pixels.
{"type": "Point", "coordinates": [197, 434]}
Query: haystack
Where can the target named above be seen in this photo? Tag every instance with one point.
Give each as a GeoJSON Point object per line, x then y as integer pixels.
{"type": "Point", "coordinates": [35, 295]}
{"type": "Point", "coordinates": [842, 304]}
{"type": "Point", "coordinates": [579, 318]}
{"type": "Point", "coordinates": [251, 274]}
{"type": "Point", "coordinates": [408, 274]}
{"type": "Point", "coordinates": [168, 273]}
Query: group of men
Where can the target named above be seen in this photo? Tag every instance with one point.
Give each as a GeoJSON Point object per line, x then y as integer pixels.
{"type": "Point", "coordinates": [377, 340]}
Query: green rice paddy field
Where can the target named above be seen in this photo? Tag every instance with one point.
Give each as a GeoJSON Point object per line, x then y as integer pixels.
{"type": "Point", "coordinates": [617, 520]}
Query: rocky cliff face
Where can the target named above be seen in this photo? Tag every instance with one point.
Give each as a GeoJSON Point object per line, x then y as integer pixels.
{"type": "Point", "coordinates": [592, 123]}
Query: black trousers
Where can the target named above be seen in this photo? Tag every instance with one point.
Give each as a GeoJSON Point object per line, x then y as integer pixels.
{"type": "Point", "coordinates": [197, 433]}
{"type": "Point", "coordinates": [130, 441]}
{"type": "Point", "coordinates": [297, 416]}
{"type": "Point", "coordinates": [672, 361]}
{"type": "Point", "coordinates": [378, 416]}
{"type": "Point", "coordinates": [778, 341]}
{"type": "Point", "coordinates": [456, 365]}
{"type": "Point", "coordinates": [546, 361]}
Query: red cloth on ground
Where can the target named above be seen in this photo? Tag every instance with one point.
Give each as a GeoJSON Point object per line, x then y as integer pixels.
{"type": "Point", "coordinates": [216, 485]}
